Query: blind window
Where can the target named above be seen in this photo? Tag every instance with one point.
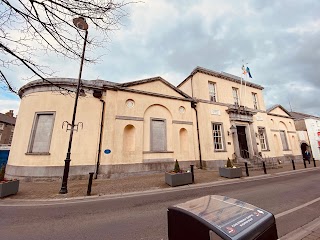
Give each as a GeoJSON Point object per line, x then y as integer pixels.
{"type": "Point", "coordinates": [158, 135]}
{"type": "Point", "coordinates": [284, 140]}
{"type": "Point", "coordinates": [41, 133]}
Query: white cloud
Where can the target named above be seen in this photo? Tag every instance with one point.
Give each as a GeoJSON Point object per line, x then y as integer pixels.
{"type": "Point", "coordinates": [309, 27]}
{"type": "Point", "coordinates": [6, 105]}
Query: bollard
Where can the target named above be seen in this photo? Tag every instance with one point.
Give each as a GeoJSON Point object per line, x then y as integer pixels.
{"type": "Point", "coordinates": [293, 166]}
{"type": "Point", "coordinates": [304, 163]}
{"type": "Point", "coordinates": [90, 184]}
{"type": "Point", "coordinates": [247, 170]}
{"type": "Point", "coordinates": [191, 166]}
{"type": "Point", "coordinates": [264, 167]}
{"type": "Point", "coordinates": [314, 162]}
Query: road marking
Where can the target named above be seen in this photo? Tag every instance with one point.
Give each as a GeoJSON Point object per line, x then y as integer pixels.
{"type": "Point", "coordinates": [296, 208]}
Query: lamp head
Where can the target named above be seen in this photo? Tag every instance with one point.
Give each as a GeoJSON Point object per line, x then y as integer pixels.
{"type": "Point", "coordinates": [80, 23]}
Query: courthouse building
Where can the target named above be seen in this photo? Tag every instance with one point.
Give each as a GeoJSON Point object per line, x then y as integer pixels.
{"type": "Point", "coordinates": [143, 126]}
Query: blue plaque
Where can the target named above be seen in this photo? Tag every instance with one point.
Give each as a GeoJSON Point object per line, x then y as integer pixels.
{"type": "Point", "coordinates": [107, 151]}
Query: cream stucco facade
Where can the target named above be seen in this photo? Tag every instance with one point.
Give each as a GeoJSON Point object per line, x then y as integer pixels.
{"type": "Point", "coordinates": [146, 125]}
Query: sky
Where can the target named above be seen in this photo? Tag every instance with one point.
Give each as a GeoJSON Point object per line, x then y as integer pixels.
{"type": "Point", "coordinates": [280, 41]}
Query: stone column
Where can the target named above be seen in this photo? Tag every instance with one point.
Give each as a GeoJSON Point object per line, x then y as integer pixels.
{"type": "Point", "coordinates": [236, 144]}
{"type": "Point", "coordinates": [254, 140]}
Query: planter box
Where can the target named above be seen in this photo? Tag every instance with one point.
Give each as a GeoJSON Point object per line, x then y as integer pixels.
{"type": "Point", "coordinates": [178, 179]}
{"type": "Point", "coordinates": [9, 188]}
{"type": "Point", "coordinates": [230, 172]}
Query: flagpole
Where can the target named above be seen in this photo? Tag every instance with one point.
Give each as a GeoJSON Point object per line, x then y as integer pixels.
{"type": "Point", "coordinates": [241, 82]}
{"type": "Point", "coordinates": [245, 87]}
{"type": "Point", "coordinates": [240, 89]}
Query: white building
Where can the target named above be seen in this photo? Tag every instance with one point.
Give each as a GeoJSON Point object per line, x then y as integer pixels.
{"type": "Point", "coordinates": [311, 125]}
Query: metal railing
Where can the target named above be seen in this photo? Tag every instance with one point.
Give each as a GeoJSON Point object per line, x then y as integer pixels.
{"type": "Point", "coordinates": [244, 154]}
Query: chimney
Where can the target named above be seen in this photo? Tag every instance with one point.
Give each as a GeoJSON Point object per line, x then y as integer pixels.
{"type": "Point", "coordinates": [10, 113]}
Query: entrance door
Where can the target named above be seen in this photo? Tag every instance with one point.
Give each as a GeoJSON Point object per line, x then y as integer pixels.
{"type": "Point", "coordinates": [304, 147]}
{"type": "Point", "coordinates": [242, 138]}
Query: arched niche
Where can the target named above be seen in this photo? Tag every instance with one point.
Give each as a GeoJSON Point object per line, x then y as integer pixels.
{"type": "Point", "coordinates": [129, 138]}
{"type": "Point", "coordinates": [184, 143]}
{"type": "Point", "coordinates": [157, 129]}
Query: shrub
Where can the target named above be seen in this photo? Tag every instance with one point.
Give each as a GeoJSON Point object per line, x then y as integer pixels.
{"type": "Point", "coordinates": [176, 167]}
{"type": "Point", "coordinates": [229, 163]}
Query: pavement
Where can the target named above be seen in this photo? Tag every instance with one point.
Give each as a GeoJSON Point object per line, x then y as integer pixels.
{"type": "Point", "coordinates": [48, 191]}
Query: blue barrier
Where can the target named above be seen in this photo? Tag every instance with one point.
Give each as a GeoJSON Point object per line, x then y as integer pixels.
{"type": "Point", "coordinates": [4, 155]}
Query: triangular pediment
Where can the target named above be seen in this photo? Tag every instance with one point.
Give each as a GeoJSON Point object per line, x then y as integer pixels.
{"type": "Point", "coordinates": [278, 110]}
{"type": "Point", "coordinates": [155, 85]}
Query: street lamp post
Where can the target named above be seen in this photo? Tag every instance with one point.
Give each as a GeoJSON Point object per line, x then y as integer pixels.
{"type": "Point", "coordinates": [81, 24]}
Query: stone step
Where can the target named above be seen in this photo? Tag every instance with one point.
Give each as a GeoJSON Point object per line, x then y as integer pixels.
{"type": "Point", "coordinates": [259, 165]}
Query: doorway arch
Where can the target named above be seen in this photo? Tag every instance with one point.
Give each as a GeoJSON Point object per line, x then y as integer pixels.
{"type": "Point", "coordinates": [304, 147]}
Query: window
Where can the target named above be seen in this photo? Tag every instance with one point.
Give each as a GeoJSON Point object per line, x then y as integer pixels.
{"type": "Point", "coordinates": [41, 133]}
{"type": "Point", "coordinates": [0, 136]}
{"type": "Point", "coordinates": [217, 136]}
{"type": "Point", "coordinates": [12, 129]}
{"type": "Point", "coordinates": [130, 103]}
{"type": "Point", "coordinates": [255, 100]}
{"type": "Point", "coordinates": [235, 94]}
{"type": "Point", "coordinates": [10, 138]}
{"type": "Point", "coordinates": [212, 92]}
{"type": "Point", "coordinates": [284, 140]}
{"type": "Point", "coordinates": [158, 135]}
{"type": "Point", "coordinates": [1, 126]}
{"type": "Point", "coordinates": [263, 138]}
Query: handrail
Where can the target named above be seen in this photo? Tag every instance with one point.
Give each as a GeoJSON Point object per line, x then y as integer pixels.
{"type": "Point", "coordinates": [245, 153]}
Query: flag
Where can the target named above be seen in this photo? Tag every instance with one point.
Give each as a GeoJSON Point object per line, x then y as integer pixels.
{"type": "Point", "coordinates": [248, 71]}
{"type": "Point", "coordinates": [244, 70]}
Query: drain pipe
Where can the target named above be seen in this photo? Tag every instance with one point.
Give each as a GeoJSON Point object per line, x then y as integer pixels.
{"type": "Point", "coordinates": [194, 106]}
{"type": "Point", "coordinates": [98, 94]}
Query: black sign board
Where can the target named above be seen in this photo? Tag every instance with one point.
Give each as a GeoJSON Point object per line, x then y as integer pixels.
{"type": "Point", "coordinates": [229, 218]}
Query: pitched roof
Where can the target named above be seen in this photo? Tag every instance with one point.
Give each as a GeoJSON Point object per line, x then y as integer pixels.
{"type": "Point", "coordinates": [278, 106]}
{"type": "Point", "coordinates": [96, 84]}
{"type": "Point", "coordinates": [298, 115]}
{"type": "Point", "coordinates": [148, 80]}
{"type": "Point", "coordinates": [7, 119]}
{"type": "Point", "coordinates": [222, 75]}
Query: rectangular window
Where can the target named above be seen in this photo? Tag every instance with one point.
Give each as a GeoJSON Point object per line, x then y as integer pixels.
{"type": "Point", "coordinates": [255, 101]}
{"type": "Point", "coordinates": [263, 139]}
{"type": "Point", "coordinates": [217, 136]}
{"type": "Point", "coordinates": [10, 139]}
{"type": "Point", "coordinates": [235, 94]}
{"type": "Point", "coordinates": [41, 133]}
{"type": "Point", "coordinates": [1, 126]}
{"type": "Point", "coordinates": [284, 140]}
{"type": "Point", "coordinates": [158, 135]}
{"type": "Point", "coordinates": [212, 92]}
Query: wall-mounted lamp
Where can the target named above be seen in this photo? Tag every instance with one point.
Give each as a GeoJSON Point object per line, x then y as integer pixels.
{"type": "Point", "coordinates": [233, 129]}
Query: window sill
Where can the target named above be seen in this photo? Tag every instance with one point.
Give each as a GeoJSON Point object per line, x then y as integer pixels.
{"type": "Point", "coordinates": [157, 151]}
{"type": "Point", "coordinates": [44, 153]}
{"type": "Point", "coordinates": [267, 150]}
{"type": "Point", "coordinates": [220, 150]}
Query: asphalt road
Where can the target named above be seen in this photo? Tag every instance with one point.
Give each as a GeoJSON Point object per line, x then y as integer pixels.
{"type": "Point", "coordinates": [144, 217]}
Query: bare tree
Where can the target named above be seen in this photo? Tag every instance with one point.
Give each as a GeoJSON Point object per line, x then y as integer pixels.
{"type": "Point", "coordinates": [30, 26]}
